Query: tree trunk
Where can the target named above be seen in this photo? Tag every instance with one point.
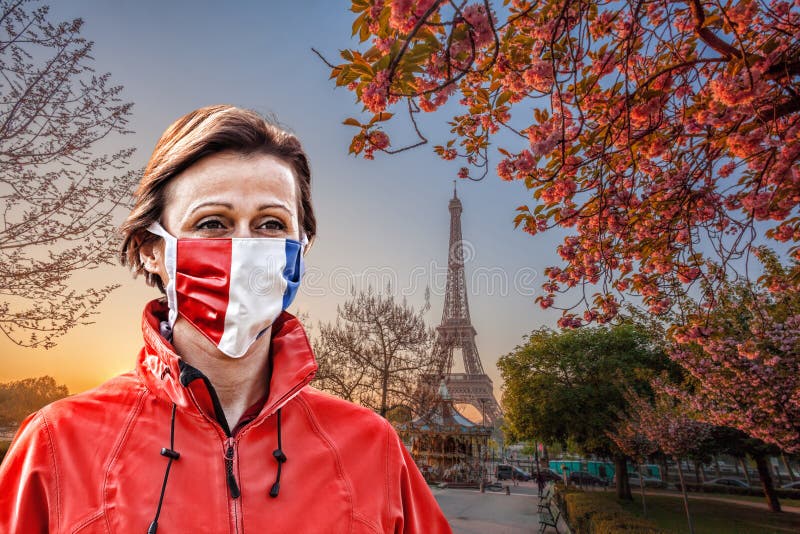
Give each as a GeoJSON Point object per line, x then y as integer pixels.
{"type": "Point", "coordinates": [384, 393]}
{"type": "Point", "coordinates": [664, 470]}
{"type": "Point", "coordinates": [716, 466]}
{"type": "Point", "coordinates": [685, 498]}
{"type": "Point", "coordinates": [641, 484]}
{"type": "Point", "coordinates": [775, 472]}
{"type": "Point", "coordinates": [766, 482]}
{"type": "Point", "coordinates": [746, 471]}
{"type": "Point", "coordinates": [623, 485]}
{"type": "Point", "coordinates": [736, 466]}
{"type": "Point", "coordinates": [788, 467]}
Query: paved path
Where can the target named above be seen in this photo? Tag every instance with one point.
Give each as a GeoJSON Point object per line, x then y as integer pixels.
{"type": "Point", "coordinates": [472, 512]}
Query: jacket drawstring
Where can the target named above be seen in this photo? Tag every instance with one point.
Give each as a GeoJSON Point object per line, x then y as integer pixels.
{"type": "Point", "coordinates": [172, 455]}
{"type": "Point", "coordinates": [280, 458]}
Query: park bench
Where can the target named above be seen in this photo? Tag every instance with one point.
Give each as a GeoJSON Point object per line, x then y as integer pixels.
{"type": "Point", "coordinates": [544, 499]}
{"type": "Point", "coordinates": [547, 517]}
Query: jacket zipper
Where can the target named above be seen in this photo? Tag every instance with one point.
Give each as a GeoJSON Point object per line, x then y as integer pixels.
{"type": "Point", "coordinates": [233, 487]}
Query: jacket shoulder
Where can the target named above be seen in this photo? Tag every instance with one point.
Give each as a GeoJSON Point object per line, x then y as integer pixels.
{"type": "Point", "coordinates": [63, 448]}
{"type": "Point", "coordinates": [107, 400]}
{"type": "Point", "coordinates": [331, 411]}
{"type": "Point", "coordinates": [388, 489]}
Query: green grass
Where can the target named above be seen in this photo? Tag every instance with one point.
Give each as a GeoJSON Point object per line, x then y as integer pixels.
{"type": "Point", "coordinates": [753, 498]}
{"type": "Point", "coordinates": [711, 517]}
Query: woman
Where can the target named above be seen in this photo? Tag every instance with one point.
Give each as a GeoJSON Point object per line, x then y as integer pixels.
{"type": "Point", "coordinates": [217, 429]}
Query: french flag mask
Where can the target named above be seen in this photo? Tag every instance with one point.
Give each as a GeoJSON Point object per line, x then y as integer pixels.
{"type": "Point", "coordinates": [230, 289]}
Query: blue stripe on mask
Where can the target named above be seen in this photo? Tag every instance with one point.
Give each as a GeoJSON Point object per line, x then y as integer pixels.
{"type": "Point", "coordinates": [293, 270]}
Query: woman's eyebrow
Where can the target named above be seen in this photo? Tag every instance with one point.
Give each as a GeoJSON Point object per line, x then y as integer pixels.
{"type": "Point", "coordinates": [210, 203]}
{"type": "Point", "coordinates": [274, 205]}
{"type": "Point", "coordinates": [230, 206]}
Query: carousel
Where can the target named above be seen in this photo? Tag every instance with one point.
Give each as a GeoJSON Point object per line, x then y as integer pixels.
{"type": "Point", "coordinates": [447, 446]}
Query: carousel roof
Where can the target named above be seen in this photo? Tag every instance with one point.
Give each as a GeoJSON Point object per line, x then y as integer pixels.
{"type": "Point", "coordinates": [436, 419]}
{"type": "Point", "coordinates": [445, 417]}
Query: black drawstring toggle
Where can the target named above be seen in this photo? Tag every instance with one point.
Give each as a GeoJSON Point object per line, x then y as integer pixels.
{"type": "Point", "coordinates": [280, 457]}
{"type": "Point", "coordinates": [169, 453]}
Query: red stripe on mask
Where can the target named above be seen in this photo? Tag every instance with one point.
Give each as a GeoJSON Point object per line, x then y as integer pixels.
{"type": "Point", "coordinates": [202, 283]}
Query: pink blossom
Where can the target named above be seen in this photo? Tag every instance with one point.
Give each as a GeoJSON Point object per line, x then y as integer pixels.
{"type": "Point", "coordinates": [539, 75]}
{"type": "Point", "coordinates": [379, 139]}
{"type": "Point", "coordinates": [374, 95]}
{"type": "Point", "coordinates": [402, 19]}
{"type": "Point", "coordinates": [480, 22]}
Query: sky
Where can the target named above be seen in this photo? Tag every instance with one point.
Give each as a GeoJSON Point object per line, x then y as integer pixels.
{"type": "Point", "coordinates": [378, 221]}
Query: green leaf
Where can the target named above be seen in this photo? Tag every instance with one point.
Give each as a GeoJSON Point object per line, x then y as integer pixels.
{"type": "Point", "coordinates": [364, 33]}
{"type": "Point", "coordinates": [503, 98]}
{"type": "Point", "coordinates": [363, 69]}
{"type": "Point", "coordinates": [358, 24]}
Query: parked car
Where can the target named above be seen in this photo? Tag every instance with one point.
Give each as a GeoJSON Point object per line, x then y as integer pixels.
{"type": "Point", "coordinates": [582, 478]}
{"type": "Point", "coordinates": [729, 482]}
{"type": "Point", "coordinates": [519, 474]}
{"type": "Point", "coordinates": [507, 472]}
{"type": "Point", "coordinates": [503, 472]}
{"type": "Point", "coordinates": [634, 479]}
{"type": "Point", "coordinates": [792, 485]}
{"type": "Point", "coordinates": [548, 475]}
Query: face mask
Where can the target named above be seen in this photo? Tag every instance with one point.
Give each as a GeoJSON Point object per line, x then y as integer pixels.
{"type": "Point", "coordinates": [230, 289]}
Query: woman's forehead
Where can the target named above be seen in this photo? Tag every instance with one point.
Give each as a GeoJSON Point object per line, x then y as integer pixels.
{"type": "Point", "coordinates": [234, 179]}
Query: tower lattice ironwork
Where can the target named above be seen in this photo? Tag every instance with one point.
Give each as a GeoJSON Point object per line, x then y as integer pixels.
{"type": "Point", "coordinates": [473, 386]}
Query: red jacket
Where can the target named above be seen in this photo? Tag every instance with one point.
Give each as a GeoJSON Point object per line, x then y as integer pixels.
{"type": "Point", "coordinates": [96, 462]}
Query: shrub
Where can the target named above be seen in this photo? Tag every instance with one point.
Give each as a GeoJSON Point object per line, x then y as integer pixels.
{"type": "Point", "coordinates": [592, 513]}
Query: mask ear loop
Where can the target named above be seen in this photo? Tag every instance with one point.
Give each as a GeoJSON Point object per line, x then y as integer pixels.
{"type": "Point", "coordinates": [170, 262]}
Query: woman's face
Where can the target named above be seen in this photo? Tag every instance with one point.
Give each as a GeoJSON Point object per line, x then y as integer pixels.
{"type": "Point", "coordinates": [228, 195]}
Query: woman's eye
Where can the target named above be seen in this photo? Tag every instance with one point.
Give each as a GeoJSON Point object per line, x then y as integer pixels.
{"type": "Point", "coordinates": [273, 224]}
{"type": "Point", "coordinates": [211, 224]}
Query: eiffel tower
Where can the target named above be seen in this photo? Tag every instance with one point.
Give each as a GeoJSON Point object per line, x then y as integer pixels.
{"type": "Point", "coordinates": [473, 386]}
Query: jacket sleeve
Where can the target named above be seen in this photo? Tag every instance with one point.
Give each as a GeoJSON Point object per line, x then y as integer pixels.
{"type": "Point", "coordinates": [421, 513]}
{"type": "Point", "coordinates": [28, 496]}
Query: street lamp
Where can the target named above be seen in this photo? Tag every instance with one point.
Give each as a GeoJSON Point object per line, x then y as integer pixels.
{"type": "Point", "coordinates": [484, 470]}
{"type": "Point", "coordinates": [538, 473]}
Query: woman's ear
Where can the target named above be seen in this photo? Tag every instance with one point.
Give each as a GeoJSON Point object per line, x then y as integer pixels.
{"type": "Point", "coordinates": [151, 254]}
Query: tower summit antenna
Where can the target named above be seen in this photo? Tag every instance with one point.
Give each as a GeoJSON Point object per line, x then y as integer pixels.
{"type": "Point", "coordinates": [454, 189]}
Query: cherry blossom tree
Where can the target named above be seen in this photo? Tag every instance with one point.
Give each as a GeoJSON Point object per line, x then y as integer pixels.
{"type": "Point", "coordinates": [745, 356]}
{"type": "Point", "coordinates": [663, 136]}
{"type": "Point", "coordinates": [632, 440]}
{"type": "Point", "coordinates": [665, 424]}
{"type": "Point", "coordinates": [58, 187]}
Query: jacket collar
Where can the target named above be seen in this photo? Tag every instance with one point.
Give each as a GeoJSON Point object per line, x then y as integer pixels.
{"type": "Point", "coordinates": [293, 364]}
